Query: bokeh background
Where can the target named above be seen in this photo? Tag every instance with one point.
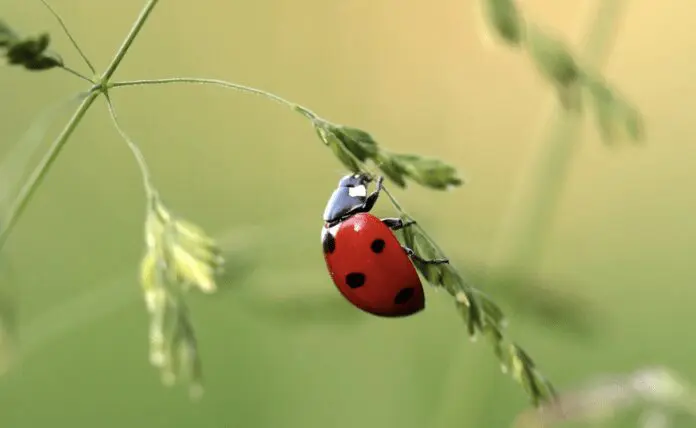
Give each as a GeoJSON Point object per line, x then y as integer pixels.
{"type": "Point", "coordinates": [280, 347]}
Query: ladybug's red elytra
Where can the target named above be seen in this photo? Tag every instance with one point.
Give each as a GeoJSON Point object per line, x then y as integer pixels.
{"type": "Point", "coordinates": [366, 261]}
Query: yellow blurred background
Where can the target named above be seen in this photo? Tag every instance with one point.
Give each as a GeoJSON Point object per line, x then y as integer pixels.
{"type": "Point", "coordinates": [279, 345]}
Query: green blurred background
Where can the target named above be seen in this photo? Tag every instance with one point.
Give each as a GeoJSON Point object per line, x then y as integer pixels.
{"type": "Point", "coordinates": [280, 347]}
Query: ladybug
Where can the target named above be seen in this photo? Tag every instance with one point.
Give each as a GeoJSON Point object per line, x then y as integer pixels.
{"type": "Point", "coordinates": [366, 261]}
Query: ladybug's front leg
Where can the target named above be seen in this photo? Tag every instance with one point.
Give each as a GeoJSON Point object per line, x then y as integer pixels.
{"type": "Point", "coordinates": [416, 257]}
{"type": "Point", "coordinates": [372, 197]}
{"type": "Point", "coordinates": [397, 223]}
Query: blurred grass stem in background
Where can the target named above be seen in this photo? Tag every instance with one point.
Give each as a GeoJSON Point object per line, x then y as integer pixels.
{"type": "Point", "coordinates": [530, 214]}
{"type": "Point", "coordinates": [518, 248]}
{"type": "Point", "coordinates": [34, 181]}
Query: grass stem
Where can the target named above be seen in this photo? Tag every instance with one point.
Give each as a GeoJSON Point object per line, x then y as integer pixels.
{"type": "Point", "coordinates": [128, 41]}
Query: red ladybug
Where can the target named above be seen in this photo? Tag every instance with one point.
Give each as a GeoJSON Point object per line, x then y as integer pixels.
{"type": "Point", "coordinates": [367, 263]}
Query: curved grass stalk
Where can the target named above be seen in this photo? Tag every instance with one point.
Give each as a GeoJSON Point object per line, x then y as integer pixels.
{"type": "Point", "coordinates": [222, 83]}
{"type": "Point", "coordinates": [137, 154]}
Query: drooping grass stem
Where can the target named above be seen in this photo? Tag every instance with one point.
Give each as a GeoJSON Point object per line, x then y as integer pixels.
{"type": "Point", "coordinates": [137, 154]}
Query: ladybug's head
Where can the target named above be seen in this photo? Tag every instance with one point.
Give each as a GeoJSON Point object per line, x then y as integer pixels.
{"type": "Point", "coordinates": [354, 181]}
{"type": "Point", "coordinates": [348, 196]}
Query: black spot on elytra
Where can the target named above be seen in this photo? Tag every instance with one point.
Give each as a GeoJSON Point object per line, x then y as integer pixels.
{"type": "Point", "coordinates": [355, 279]}
{"type": "Point", "coordinates": [377, 246]}
{"type": "Point", "coordinates": [403, 296]}
{"type": "Point", "coordinates": [329, 243]}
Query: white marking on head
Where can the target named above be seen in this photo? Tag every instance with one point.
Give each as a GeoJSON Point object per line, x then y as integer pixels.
{"type": "Point", "coordinates": [357, 191]}
{"type": "Point", "coordinates": [333, 230]}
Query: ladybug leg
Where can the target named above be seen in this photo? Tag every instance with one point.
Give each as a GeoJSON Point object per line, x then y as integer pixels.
{"type": "Point", "coordinates": [372, 197]}
{"type": "Point", "coordinates": [370, 200]}
{"type": "Point", "coordinates": [415, 256]}
{"type": "Point", "coordinates": [397, 223]}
